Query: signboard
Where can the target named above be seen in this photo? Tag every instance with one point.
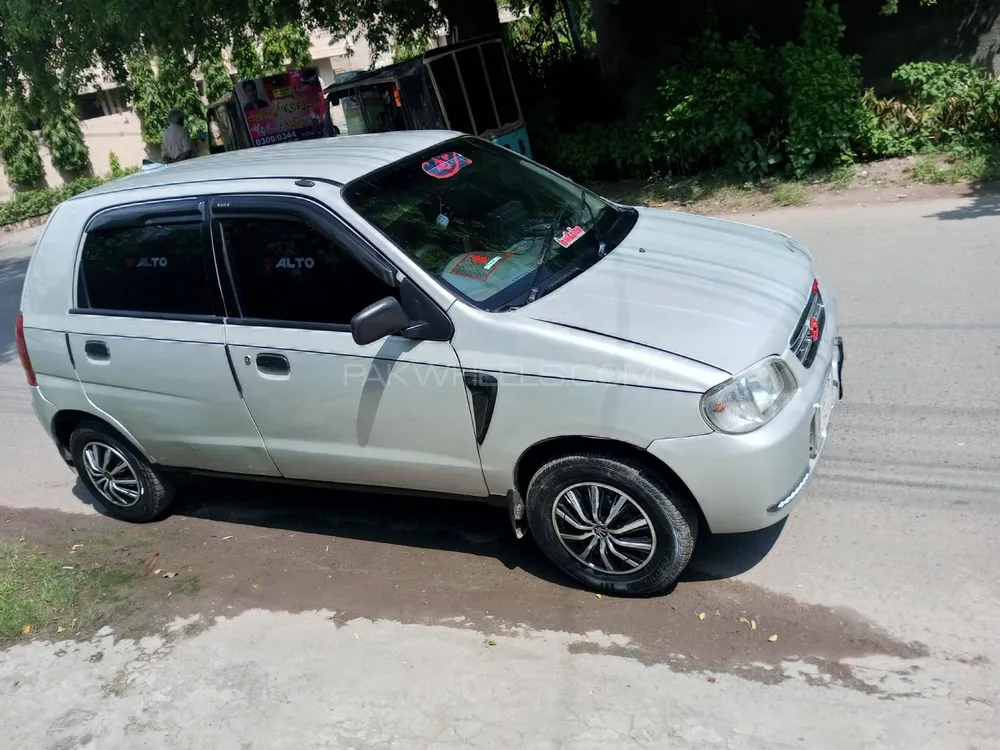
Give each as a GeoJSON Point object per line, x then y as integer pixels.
{"type": "Point", "coordinates": [284, 107]}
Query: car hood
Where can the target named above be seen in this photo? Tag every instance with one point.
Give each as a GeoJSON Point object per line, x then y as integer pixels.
{"type": "Point", "coordinates": [723, 293]}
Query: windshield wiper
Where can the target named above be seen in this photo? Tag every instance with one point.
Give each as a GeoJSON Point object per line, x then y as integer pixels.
{"type": "Point", "coordinates": [602, 249]}
{"type": "Point", "coordinates": [550, 238]}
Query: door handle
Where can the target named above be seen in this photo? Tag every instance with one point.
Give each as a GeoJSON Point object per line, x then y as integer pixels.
{"type": "Point", "coordinates": [273, 364]}
{"type": "Point", "coordinates": [97, 350]}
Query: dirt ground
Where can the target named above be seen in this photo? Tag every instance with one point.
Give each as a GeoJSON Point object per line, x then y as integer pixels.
{"type": "Point", "coordinates": [230, 546]}
{"type": "Point", "coordinates": [887, 181]}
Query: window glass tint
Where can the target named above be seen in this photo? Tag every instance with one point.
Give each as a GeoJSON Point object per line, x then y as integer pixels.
{"type": "Point", "coordinates": [470, 64]}
{"type": "Point", "coordinates": [285, 270]}
{"type": "Point", "coordinates": [151, 269]}
{"type": "Point", "coordinates": [503, 88]}
{"type": "Point", "coordinates": [452, 98]}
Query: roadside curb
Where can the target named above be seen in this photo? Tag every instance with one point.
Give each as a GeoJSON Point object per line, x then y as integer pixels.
{"type": "Point", "coordinates": [17, 226]}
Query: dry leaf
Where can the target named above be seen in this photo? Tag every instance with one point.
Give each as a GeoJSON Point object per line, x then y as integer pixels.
{"type": "Point", "coordinates": [256, 585]}
{"type": "Point", "coordinates": [227, 537]}
{"type": "Point", "coordinates": [25, 630]}
{"type": "Point", "coordinates": [701, 616]}
{"type": "Point", "coordinates": [716, 613]}
{"type": "Point", "coordinates": [75, 547]}
{"type": "Point", "coordinates": [746, 622]}
{"type": "Point", "coordinates": [773, 638]}
{"type": "Point", "coordinates": [169, 575]}
{"type": "Point", "coordinates": [597, 595]}
{"type": "Point", "coordinates": [157, 571]}
{"type": "Point", "coordinates": [60, 629]}
{"type": "Point", "coordinates": [491, 642]}
{"type": "Point", "coordinates": [753, 624]}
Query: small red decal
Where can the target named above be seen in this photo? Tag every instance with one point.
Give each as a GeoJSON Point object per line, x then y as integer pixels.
{"type": "Point", "coordinates": [570, 236]}
{"type": "Point", "coordinates": [814, 328]}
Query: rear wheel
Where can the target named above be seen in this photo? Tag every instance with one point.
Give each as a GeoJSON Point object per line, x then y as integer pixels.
{"type": "Point", "coordinates": [123, 483]}
{"type": "Point", "coordinates": [611, 523]}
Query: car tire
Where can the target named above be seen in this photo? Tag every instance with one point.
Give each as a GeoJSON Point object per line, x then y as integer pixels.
{"type": "Point", "coordinates": [645, 530]}
{"type": "Point", "coordinates": [123, 483]}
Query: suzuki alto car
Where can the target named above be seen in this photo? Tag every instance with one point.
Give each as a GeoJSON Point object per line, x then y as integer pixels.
{"type": "Point", "coordinates": [430, 314]}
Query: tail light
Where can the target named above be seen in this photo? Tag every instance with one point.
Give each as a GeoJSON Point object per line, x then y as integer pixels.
{"type": "Point", "coordinates": [22, 350]}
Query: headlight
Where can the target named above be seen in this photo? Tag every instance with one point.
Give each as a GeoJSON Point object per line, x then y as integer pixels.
{"type": "Point", "coordinates": [750, 399]}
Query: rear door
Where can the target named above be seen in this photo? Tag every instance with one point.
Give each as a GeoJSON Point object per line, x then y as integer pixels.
{"type": "Point", "coordinates": [147, 338]}
{"type": "Point", "coordinates": [395, 413]}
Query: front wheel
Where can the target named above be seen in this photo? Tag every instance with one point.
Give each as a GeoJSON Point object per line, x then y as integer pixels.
{"type": "Point", "coordinates": [611, 523]}
{"type": "Point", "coordinates": [123, 482]}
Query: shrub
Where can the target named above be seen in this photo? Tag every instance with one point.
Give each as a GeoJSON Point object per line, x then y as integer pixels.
{"type": "Point", "coordinates": [115, 165]}
{"type": "Point", "coordinates": [31, 203]}
{"type": "Point", "coordinates": [62, 134]}
{"type": "Point", "coordinates": [18, 146]}
{"type": "Point", "coordinates": [955, 101]}
{"type": "Point", "coordinates": [717, 109]}
{"type": "Point", "coordinates": [822, 86]}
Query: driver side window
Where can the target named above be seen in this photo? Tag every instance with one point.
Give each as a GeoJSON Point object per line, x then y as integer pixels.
{"type": "Point", "coordinates": [285, 270]}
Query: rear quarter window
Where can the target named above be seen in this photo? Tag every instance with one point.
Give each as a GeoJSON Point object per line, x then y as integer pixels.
{"type": "Point", "coordinates": [158, 268]}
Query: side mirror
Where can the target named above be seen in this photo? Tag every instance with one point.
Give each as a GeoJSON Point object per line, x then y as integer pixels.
{"type": "Point", "coordinates": [380, 319]}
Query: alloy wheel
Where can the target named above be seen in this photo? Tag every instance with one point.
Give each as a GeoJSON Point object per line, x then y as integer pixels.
{"type": "Point", "coordinates": [603, 528]}
{"type": "Point", "coordinates": [111, 474]}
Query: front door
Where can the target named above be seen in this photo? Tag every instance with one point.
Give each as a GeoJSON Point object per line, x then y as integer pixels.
{"type": "Point", "coordinates": [393, 414]}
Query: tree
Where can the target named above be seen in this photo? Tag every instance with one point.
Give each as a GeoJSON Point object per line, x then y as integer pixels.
{"type": "Point", "coordinates": [70, 36]}
{"type": "Point", "coordinates": [18, 146]}
{"type": "Point", "coordinates": [216, 76]}
{"type": "Point", "coordinates": [62, 134]}
{"type": "Point", "coordinates": [158, 90]}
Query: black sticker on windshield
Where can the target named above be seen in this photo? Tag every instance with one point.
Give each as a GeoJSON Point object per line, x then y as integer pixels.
{"type": "Point", "coordinates": [446, 165]}
{"type": "Point", "coordinates": [478, 266]}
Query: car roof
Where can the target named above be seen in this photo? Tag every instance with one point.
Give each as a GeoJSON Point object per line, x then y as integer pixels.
{"type": "Point", "coordinates": [340, 159]}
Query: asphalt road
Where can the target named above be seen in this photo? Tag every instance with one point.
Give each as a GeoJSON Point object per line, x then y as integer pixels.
{"type": "Point", "coordinates": [901, 530]}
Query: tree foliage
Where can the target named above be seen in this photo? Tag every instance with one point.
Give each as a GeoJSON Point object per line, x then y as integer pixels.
{"type": "Point", "coordinates": [18, 146]}
{"type": "Point", "coordinates": [216, 76]}
{"type": "Point", "coordinates": [159, 89]}
{"type": "Point", "coordinates": [62, 134]}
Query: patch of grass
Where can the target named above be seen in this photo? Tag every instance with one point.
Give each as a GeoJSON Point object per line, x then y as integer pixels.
{"type": "Point", "coordinates": [978, 164]}
{"type": "Point", "coordinates": [39, 594]}
{"type": "Point", "coordinates": [789, 194]}
{"type": "Point", "coordinates": [842, 177]}
{"type": "Point", "coordinates": [189, 586]}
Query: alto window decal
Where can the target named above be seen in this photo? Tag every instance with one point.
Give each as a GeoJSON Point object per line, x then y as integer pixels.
{"type": "Point", "coordinates": [446, 165]}
{"type": "Point", "coordinates": [289, 263]}
{"type": "Point", "coordinates": [145, 262]}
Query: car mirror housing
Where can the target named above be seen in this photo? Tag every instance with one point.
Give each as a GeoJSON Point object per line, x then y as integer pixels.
{"type": "Point", "coordinates": [380, 319]}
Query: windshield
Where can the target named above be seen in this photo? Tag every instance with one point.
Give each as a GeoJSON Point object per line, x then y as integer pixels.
{"type": "Point", "coordinates": [480, 219]}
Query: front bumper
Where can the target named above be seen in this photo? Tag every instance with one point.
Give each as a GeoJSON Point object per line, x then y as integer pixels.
{"type": "Point", "coordinates": [748, 482]}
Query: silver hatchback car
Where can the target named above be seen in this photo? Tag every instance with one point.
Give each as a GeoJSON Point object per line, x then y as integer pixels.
{"type": "Point", "coordinates": [427, 313]}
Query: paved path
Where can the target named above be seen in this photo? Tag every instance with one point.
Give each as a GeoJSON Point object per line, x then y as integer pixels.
{"type": "Point", "coordinates": [902, 528]}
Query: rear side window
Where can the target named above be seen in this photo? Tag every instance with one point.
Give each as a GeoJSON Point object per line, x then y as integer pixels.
{"type": "Point", "coordinates": [158, 268]}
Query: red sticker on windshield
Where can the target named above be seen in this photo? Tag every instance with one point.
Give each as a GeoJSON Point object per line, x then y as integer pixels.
{"type": "Point", "coordinates": [569, 236]}
{"type": "Point", "coordinates": [446, 165]}
{"type": "Point", "coordinates": [476, 266]}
